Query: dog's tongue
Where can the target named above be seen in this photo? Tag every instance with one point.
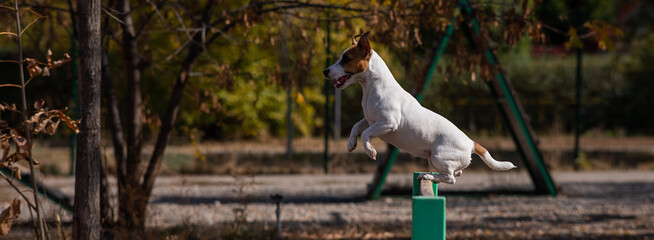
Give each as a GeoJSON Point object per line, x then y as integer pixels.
{"type": "Point", "coordinates": [340, 81]}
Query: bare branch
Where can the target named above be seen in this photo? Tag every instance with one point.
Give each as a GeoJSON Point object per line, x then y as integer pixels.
{"type": "Point", "coordinates": [173, 105]}
{"type": "Point", "coordinates": [17, 190]}
{"type": "Point", "coordinates": [149, 17]}
{"type": "Point", "coordinates": [10, 85]}
{"type": "Point", "coordinates": [9, 33]}
{"type": "Point", "coordinates": [40, 221]}
{"type": "Point", "coordinates": [180, 48]}
{"type": "Point", "coordinates": [310, 5]}
{"type": "Point", "coordinates": [104, 9]}
{"type": "Point", "coordinates": [42, 6]}
{"type": "Point", "coordinates": [190, 37]}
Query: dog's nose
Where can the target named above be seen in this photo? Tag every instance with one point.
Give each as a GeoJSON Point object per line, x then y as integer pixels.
{"type": "Point", "coordinates": [326, 72]}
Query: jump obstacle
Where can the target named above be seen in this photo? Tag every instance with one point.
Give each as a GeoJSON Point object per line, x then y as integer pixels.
{"type": "Point", "coordinates": [428, 210]}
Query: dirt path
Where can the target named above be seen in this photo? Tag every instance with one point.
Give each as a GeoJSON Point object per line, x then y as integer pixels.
{"type": "Point", "coordinates": [591, 205]}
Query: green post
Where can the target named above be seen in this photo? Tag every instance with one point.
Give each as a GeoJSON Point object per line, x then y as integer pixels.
{"type": "Point", "coordinates": [428, 213]}
{"type": "Point", "coordinates": [75, 93]}
{"type": "Point", "coordinates": [325, 156]}
{"type": "Point", "coordinates": [439, 52]}
{"type": "Point", "coordinates": [577, 108]}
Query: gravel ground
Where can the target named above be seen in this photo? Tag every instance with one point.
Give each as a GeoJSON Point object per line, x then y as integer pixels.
{"type": "Point", "coordinates": [606, 205]}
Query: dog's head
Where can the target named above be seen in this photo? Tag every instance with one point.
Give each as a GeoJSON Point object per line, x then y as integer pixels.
{"type": "Point", "coordinates": [354, 60]}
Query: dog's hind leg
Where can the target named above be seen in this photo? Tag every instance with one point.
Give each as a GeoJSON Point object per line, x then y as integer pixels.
{"type": "Point", "coordinates": [438, 178]}
{"type": "Point", "coordinates": [441, 177]}
{"type": "Point", "coordinates": [458, 173]}
{"type": "Point", "coordinates": [445, 168]}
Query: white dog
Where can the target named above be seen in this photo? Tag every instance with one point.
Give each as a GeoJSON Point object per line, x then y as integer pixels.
{"type": "Point", "coordinates": [393, 115]}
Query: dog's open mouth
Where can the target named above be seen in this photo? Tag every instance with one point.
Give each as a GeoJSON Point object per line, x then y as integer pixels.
{"type": "Point", "coordinates": [341, 80]}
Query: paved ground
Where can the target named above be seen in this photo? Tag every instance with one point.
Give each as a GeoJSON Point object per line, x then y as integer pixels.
{"type": "Point", "coordinates": [611, 205]}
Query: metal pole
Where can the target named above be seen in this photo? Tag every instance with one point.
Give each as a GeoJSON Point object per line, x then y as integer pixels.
{"type": "Point", "coordinates": [325, 156]}
{"type": "Point", "coordinates": [578, 108]}
{"type": "Point", "coordinates": [278, 212]}
{"type": "Point", "coordinates": [75, 93]}
{"type": "Point", "coordinates": [74, 90]}
{"type": "Point", "coordinates": [337, 112]}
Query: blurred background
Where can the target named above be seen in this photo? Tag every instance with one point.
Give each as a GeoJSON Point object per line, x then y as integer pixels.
{"type": "Point", "coordinates": [261, 81]}
{"type": "Point", "coordinates": [254, 100]}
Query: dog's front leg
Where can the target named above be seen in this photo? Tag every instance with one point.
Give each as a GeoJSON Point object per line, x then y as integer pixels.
{"type": "Point", "coordinates": [356, 131]}
{"type": "Point", "coordinates": [375, 130]}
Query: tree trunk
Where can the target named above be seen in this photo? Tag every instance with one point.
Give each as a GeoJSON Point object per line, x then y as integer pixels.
{"type": "Point", "coordinates": [86, 215]}
{"type": "Point", "coordinates": [132, 210]}
{"type": "Point", "coordinates": [134, 193]}
{"type": "Point", "coordinates": [134, 115]}
{"type": "Point", "coordinates": [131, 218]}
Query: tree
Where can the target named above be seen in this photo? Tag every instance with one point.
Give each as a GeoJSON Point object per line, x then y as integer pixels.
{"type": "Point", "coordinates": [209, 22]}
{"type": "Point", "coordinates": [86, 215]}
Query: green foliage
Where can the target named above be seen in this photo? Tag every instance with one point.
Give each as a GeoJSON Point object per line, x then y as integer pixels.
{"type": "Point", "coordinates": [633, 102]}
{"type": "Point", "coordinates": [237, 90]}
{"type": "Point", "coordinates": [545, 86]}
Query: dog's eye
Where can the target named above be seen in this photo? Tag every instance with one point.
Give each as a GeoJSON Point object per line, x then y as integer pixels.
{"type": "Point", "coordinates": [345, 59]}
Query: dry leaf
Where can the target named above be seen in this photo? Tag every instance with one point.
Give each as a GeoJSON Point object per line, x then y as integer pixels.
{"type": "Point", "coordinates": [39, 104]}
{"type": "Point", "coordinates": [8, 216]}
{"type": "Point", "coordinates": [35, 162]}
{"type": "Point", "coordinates": [49, 57]}
{"type": "Point", "coordinates": [36, 117]}
{"type": "Point", "coordinates": [40, 126]}
{"type": "Point", "coordinates": [16, 173]}
{"type": "Point", "coordinates": [51, 127]}
{"type": "Point", "coordinates": [33, 67]}
{"type": "Point", "coordinates": [71, 124]}
{"type": "Point", "coordinates": [22, 144]}
{"type": "Point", "coordinates": [46, 72]}
{"type": "Point", "coordinates": [6, 147]}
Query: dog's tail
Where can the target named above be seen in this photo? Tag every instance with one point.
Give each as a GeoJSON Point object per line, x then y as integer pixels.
{"type": "Point", "coordinates": [492, 163]}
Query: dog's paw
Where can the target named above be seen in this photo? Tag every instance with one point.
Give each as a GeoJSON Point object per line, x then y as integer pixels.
{"type": "Point", "coordinates": [426, 176]}
{"type": "Point", "coordinates": [370, 150]}
{"type": "Point", "coordinates": [351, 144]}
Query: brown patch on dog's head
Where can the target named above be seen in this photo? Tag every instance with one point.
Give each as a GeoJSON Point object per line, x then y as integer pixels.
{"type": "Point", "coordinates": [356, 58]}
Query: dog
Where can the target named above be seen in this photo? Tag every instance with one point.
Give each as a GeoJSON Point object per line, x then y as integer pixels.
{"type": "Point", "coordinates": [395, 116]}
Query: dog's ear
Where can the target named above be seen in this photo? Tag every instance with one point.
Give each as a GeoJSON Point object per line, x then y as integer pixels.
{"type": "Point", "coordinates": [363, 42]}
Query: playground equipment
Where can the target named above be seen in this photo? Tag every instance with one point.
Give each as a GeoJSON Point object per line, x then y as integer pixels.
{"type": "Point", "coordinates": [508, 103]}
{"type": "Point", "coordinates": [428, 215]}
